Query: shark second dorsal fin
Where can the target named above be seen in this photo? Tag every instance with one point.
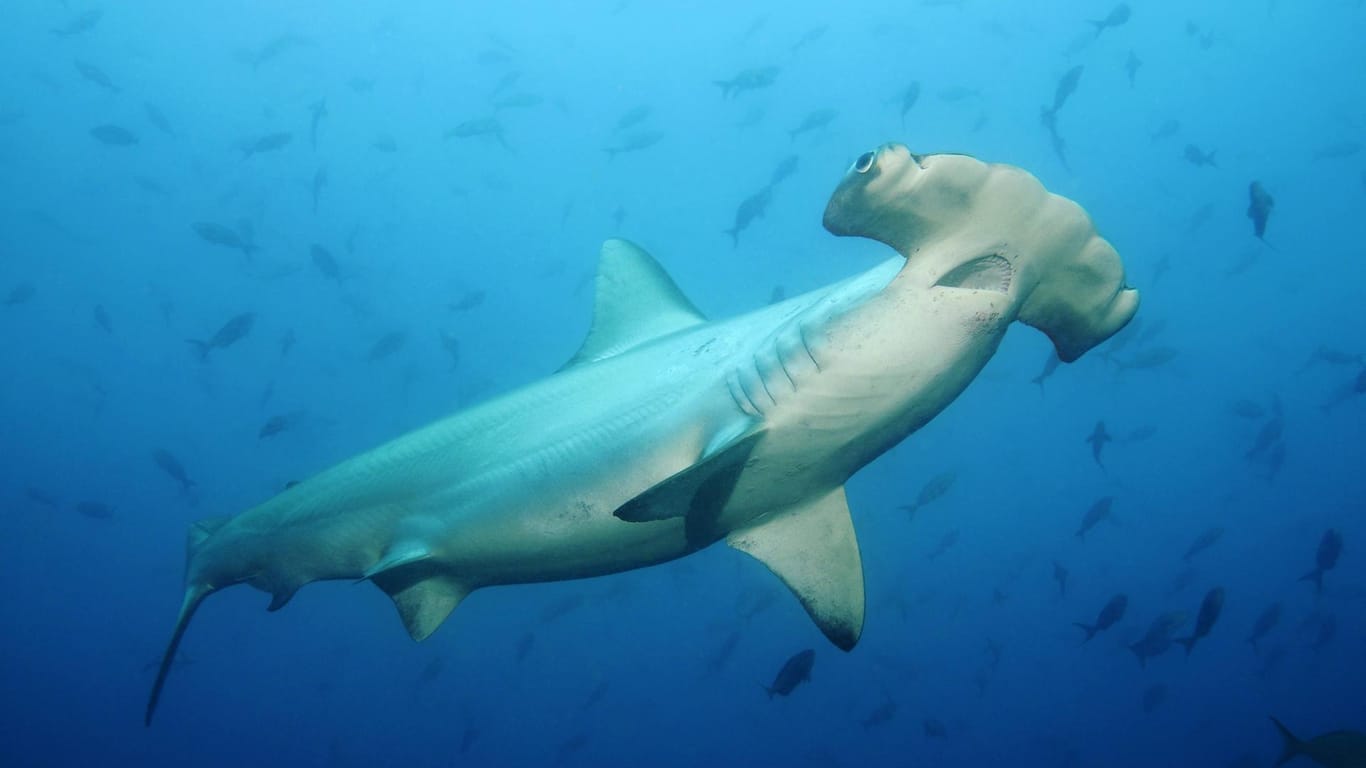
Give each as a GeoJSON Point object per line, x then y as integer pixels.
{"type": "Point", "coordinates": [812, 548]}
{"type": "Point", "coordinates": [635, 301]}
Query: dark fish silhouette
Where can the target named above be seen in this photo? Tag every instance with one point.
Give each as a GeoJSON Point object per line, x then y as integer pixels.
{"type": "Point", "coordinates": [1259, 208]}
{"type": "Point", "coordinates": [479, 127]}
{"type": "Point", "coordinates": [945, 544]}
{"type": "Point", "coordinates": [883, 713]}
{"type": "Point", "coordinates": [231, 332]}
{"type": "Point", "coordinates": [633, 116]}
{"type": "Point", "coordinates": [517, 101]}
{"type": "Point", "coordinates": [452, 346]}
{"type": "Point", "coordinates": [1060, 575]}
{"type": "Point", "coordinates": [1158, 639]}
{"type": "Point", "coordinates": [934, 729]}
{"type": "Point", "coordinates": [114, 135]}
{"type": "Point", "coordinates": [387, 345]}
{"type": "Point", "coordinates": [795, 671]}
{"type": "Point", "coordinates": [815, 120]}
{"type": "Point", "coordinates": [324, 262]}
{"type": "Point", "coordinates": [1269, 435]}
{"type": "Point", "coordinates": [811, 36]}
{"type": "Point", "coordinates": [1067, 85]}
{"type": "Point", "coordinates": [634, 142]}
{"type": "Point", "coordinates": [1210, 608]}
{"type": "Point", "coordinates": [1115, 18]}
{"type": "Point", "coordinates": [908, 99]}
{"type": "Point", "coordinates": [1167, 130]}
{"type": "Point", "coordinates": [1050, 364]}
{"type": "Point", "coordinates": [96, 75]}
{"type": "Point", "coordinates": [468, 300]}
{"type": "Point", "coordinates": [1335, 749]}
{"type": "Point", "coordinates": [1198, 157]}
{"type": "Point", "coordinates": [1266, 621]}
{"type": "Point", "coordinates": [41, 497]}
{"type": "Point", "coordinates": [157, 119]}
{"type": "Point", "coordinates": [1326, 559]}
{"type": "Point", "coordinates": [102, 319]}
{"type": "Point", "coordinates": [169, 464]}
{"type": "Point", "coordinates": [1153, 697]}
{"type": "Point", "coordinates": [1112, 612]}
{"type": "Point", "coordinates": [786, 168]}
{"type": "Point", "coordinates": [1147, 359]}
{"type": "Point", "coordinates": [269, 142]}
{"type": "Point", "coordinates": [751, 208]}
{"type": "Point", "coordinates": [20, 294]}
{"type": "Point", "coordinates": [81, 22]}
{"type": "Point", "coordinates": [1337, 151]}
{"type": "Point", "coordinates": [747, 80]}
{"type": "Point", "coordinates": [1098, 438]}
{"type": "Point", "coordinates": [95, 510]}
{"type": "Point", "coordinates": [276, 424]}
{"type": "Point", "coordinates": [227, 237]}
{"type": "Point", "coordinates": [932, 490]}
{"type": "Point", "coordinates": [717, 660]}
{"type": "Point", "coordinates": [1098, 511]}
{"type": "Point", "coordinates": [316, 112]}
{"type": "Point", "coordinates": [1203, 542]}
{"type": "Point", "coordinates": [1131, 66]}
{"type": "Point", "coordinates": [524, 645]}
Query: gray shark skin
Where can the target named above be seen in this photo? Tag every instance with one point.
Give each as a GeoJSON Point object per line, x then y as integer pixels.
{"type": "Point", "coordinates": [667, 433]}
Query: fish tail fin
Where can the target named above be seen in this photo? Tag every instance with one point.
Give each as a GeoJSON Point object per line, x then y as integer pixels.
{"type": "Point", "coordinates": [194, 595]}
{"type": "Point", "coordinates": [1292, 747]}
{"type": "Point", "coordinates": [1142, 660]}
{"type": "Point", "coordinates": [1186, 642]}
{"type": "Point", "coordinates": [1315, 576]}
{"type": "Point", "coordinates": [1210, 159]}
{"type": "Point", "coordinates": [201, 349]}
{"type": "Point", "coordinates": [1089, 629]}
{"type": "Point", "coordinates": [734, 233]}
{"type": "Point", "coordinates": [725, 86]}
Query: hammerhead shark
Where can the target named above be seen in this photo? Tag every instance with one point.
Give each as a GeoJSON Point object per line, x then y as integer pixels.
{"type": "Point", "coordinates": [666, 433]}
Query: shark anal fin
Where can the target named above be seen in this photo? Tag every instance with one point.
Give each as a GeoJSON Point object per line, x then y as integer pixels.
{"type": "Point", "coordinates": [422, 603]}
{"type": "Point", "coordinates": [636, 302]}
{"type": "Point", "coordinates": [697, 494]}
{"type": "Point", "coordinates": [813, 549]}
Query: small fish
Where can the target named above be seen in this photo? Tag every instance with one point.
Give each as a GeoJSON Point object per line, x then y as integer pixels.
{"type": "Point", "coordinates": [794, 672]}
{"type": "Point", "coordinates": [96, 75]}
{"type": "Point", "coordinates": [1335, 749]}
{"type": "Point", "coordinates": [95, 510]}
{"type": "Point", "coordinates": [1337, 151]}
{"type": "Point", "coordinates": [1266, 621]}
{"type": "Point", "coordinates": [1198, 157]}
{"type": "Point", "coordinates": [779, 293]}
{"type": "Point", "coordinates": [81, 22]}
{"type": "Point", "coordinates": [227, 237]}
{"type": "Point", "coordinates": [811, 36]}
{"type": "Point", "coordinates": [169, 464]}
{"type": "Point", "coordinates": [1131, 66]}
{"type": "Point", "coordinates": [276, 47]}
{"type": "Point", "coordinates": [102, 319]}
{"type": "Point", "coordinates": [483, 127]}
{"type": "Point", "coordinates": [934, 729]}
{"type": "Point", "coordinates": [786, 167]}
{"type": "Point", "coordinates": [468, 300]}
{"type": "Point", "coordinates": [909, 97]}
{"type": "Point", "coordinates": [157, 119]}
{"type": "Point", "coordinates": [114, 135]}
{"type": "Point", "coordinates": [815, 120]}
{"type": "Point", "coordinates": [287, 342]}
{"type": "Point", "coordinates": [945, 544]}
{"type": "Point", "coordinates": [316, 112]}
{"type": "Point", "coordinates": [41, 497]}
{"type": "Point", "coordinates": [1269, 435]}
{"type": "Point", "coordinates": [1158, 638]}
{"type": "Point", "coordinates": [633, 116]}
{"type": "Point", "coordinates": [324, 262]}
{"type": "Point", "coordinates": [1050, 364]}
{"type": "Point", "coordinates": [1098, 511]}
{"type": "Point", "coordinates": [1112, 612]}
{"type": "Point", "coordinates": [1153, 357]}
{"type": "Point", "coordinates": [517, 101]}
{"type": "Point", "coordinates": [231, 332]}
{"type": "Point", "coordinates": [1067, 85]}
{"type": "Point", "coordinates": [748, 80]}
{"type": "Point", "coordinates": [1210, 608]}
{"type": "Point", "coordinates": [524, 646]}
{"type": "Point", "coordinates": [932, 490]}
{"type": "Point", "coordinates": [384, 143]}
{"type": "Point", "coordinates": [717, 660]}
{"type": "Point", "coordinates": [20, 294]}
{"type": "Point", "coordinates": [883, 713]}
{"type": "Point", "coordinates": [387, 345]}
{"type": "Point", "coordinates": [1200, 217]}
{"type": "Point", "coordinates": [452, 346]}
{"type": "Point", "coordinates": [1167, 130]}
{"type": "Point", "coordinates": [1203, 542]}
{"type": "Point", "coordinates": [1326, 559]}
{"type": "Point", "coordinates": [634, 142]}
{"type": "Point", "coordinates": [751, 208]}
{"type": "Point", "coordinates": [1098, 438]}
{"type": "Point", "coordinates": [1139, 434]}
{"type": "Point", "coordinates": [1259, 208]}
{"type": "Point", "coordinates": [276, 424]}
{"type": "Point", "coordinates": [1247, 409]}
{"type": "Point", "coordinates": [268, 142]}
{"type": "Point", "coordinates": [1153, 697]}
{"type": "Point", "coordinates": [1060, 575]}
{"type": "Point", "coordinates": [1332, 356]}
{"type": "Point", "coordinates": [1115, 18]}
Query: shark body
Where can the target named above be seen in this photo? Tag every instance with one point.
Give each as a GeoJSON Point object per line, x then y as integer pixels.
{"type": "Point", "coordinates": [667, 433]}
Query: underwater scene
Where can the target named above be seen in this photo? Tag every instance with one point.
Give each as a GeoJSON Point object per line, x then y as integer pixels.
{"type": "Point", "coordinates": [922, 383]}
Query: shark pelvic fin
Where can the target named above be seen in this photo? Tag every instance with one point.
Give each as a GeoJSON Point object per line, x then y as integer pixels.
{"type": "Point", "coordinates": [698, 493]}
{"type": "Point", "coordinates": [635, 302]}
{"type": "Point", "coordinates": [812, 548]}
{"type": "Point", "coordinates": [423, 604]}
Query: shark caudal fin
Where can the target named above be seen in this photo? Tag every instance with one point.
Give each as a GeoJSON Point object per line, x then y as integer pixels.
{"type": "Point", "coordinates": [195, 593]}
{"type": "Point", "coordinates": [1089, 629]}
{"type": "Point", "coordinates": [1292, 747]}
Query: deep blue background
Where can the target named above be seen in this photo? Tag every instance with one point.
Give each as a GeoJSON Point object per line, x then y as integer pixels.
{"type": "Point", "coordinates": [619, 675]}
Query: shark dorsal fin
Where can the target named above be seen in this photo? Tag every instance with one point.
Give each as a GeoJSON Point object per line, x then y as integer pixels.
{"type": "Point", "coordinates": [812, 548]}
{"type": "Point", "coordinates": [635, 301]}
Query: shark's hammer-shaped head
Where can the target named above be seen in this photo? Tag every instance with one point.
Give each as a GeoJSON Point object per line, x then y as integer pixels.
{"type": "Point", "coordinates": [967, 224]}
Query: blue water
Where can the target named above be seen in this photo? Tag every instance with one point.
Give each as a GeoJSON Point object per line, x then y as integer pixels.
{"type": "Point", "coordinates": [624, 670]}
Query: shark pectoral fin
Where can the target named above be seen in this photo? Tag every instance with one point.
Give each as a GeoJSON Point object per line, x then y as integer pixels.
{"type": "Point", "coordinates": [423, 604]}
{"type": "Point", "coordinates": [812, 548]}
{"type": "Point", "coordinates": [635, 302]}
{"type": "Point", "coordinates": [698, 493]}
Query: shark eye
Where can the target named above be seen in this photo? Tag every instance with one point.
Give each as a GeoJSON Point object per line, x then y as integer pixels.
{"type": "Point", "coordinates": [864, 163]}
